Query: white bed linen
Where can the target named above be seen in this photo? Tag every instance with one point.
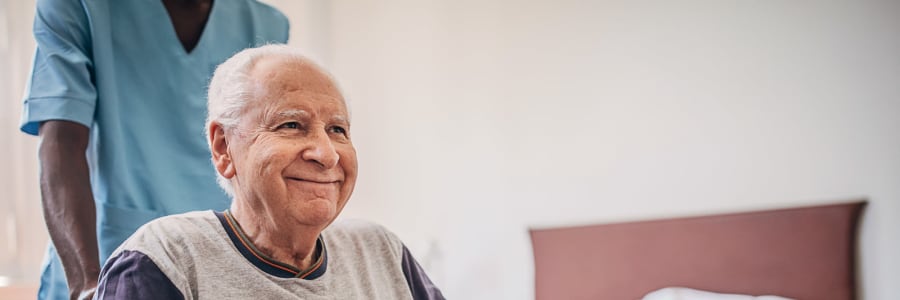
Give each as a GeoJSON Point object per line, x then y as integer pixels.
{"type": "Point", "coordinates": [681, 293]}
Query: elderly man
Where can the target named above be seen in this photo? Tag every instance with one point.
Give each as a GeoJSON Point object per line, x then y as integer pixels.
{"type": "Point", "coordinates": [279, 133]}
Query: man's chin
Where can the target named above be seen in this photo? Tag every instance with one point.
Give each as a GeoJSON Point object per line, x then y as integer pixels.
{"type": "Point", "coordinates": [319, 212]}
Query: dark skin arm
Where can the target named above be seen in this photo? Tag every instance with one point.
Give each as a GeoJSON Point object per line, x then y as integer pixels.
{"type": "Point", "coordinates": [69, 203]}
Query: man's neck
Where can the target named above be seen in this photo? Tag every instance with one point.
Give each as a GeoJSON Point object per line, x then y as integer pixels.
{"type": "Point", "coordinates": [294, 245]}
{"type": "Point", "coordinates": [188, 18]}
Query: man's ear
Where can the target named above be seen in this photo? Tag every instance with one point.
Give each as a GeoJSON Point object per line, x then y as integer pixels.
{"type": "Point", "coordinates": [218, 145]}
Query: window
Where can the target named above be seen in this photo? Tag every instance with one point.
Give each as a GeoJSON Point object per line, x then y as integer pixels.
{"type": "Point", "coordinates": [23, 236]}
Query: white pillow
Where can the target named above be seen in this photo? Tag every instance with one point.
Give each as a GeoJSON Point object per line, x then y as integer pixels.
{"type": "Point", "coordinates": [680, 293]}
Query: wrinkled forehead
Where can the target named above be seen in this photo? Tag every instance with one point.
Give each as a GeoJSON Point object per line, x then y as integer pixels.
{"type": "Point", "coordinates": [278, 75]}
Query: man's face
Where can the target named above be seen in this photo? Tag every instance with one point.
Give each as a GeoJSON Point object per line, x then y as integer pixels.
{"type": "Point", "coordinates": [293, 158]}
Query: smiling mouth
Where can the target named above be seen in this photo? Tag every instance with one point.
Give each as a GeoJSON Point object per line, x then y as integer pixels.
{"type": "Point", "coordinates": [318, 181]}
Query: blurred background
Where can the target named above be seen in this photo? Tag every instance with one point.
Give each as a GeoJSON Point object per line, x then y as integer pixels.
{"type": "Point", "coordinates": [477, 120]}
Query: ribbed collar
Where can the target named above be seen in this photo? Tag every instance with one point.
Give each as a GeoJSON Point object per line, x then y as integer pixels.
{"type": "Point", "coordinates": [266, 263]}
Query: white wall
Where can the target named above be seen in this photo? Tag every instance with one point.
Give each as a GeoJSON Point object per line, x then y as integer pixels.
{"type": "Point", "coordinates": [476, 120]}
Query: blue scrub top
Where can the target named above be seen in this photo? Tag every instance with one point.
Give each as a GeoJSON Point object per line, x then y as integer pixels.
{"type": "Point", "coordinates": [118, 67]}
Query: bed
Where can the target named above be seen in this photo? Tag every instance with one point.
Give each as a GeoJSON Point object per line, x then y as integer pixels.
{"type": "Point", "coordinates": [799, 253]}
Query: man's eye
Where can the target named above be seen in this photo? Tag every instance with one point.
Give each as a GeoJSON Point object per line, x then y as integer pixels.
{"type": "Point", "coordinates": [338, 130]}
{"type": "Point", "coordinates": [290, 125]}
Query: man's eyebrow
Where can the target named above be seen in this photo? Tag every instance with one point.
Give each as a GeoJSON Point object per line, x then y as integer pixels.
{"type": "Point", "coordinates": [291, 114]}
{"type": "Point", "coordinates": [340, 119]}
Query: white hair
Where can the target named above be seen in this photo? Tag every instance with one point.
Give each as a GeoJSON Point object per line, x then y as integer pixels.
{"type": "Point", "coordinates": [232, 86]}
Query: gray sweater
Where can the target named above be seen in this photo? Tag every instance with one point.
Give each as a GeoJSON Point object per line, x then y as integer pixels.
{"type": "Point", "coordinates": [205, 255]}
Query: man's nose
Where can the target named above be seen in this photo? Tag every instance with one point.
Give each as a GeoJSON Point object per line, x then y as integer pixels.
{"type": "Point", "coordinates": [320, 149]}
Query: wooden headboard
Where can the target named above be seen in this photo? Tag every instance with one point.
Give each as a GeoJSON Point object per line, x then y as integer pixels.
{"type": "Point", "coordinates": [800, 253]}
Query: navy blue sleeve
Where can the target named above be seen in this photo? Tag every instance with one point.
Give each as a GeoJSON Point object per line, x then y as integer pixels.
{"type": "Point", "coordinates": [419, 283]}
{"type": "Point", "coordinates": [133, 275]}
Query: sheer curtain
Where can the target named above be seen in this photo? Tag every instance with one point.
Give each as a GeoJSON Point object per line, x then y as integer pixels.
{"type": "Point", "coordinates": [22, 232]}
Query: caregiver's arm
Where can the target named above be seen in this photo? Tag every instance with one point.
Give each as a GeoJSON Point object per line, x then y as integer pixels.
{"type": "Point", "coordinates": [69, 204]}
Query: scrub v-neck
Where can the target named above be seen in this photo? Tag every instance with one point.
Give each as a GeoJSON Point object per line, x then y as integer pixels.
{"type": "Point", "coordinates": [173, 33]}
